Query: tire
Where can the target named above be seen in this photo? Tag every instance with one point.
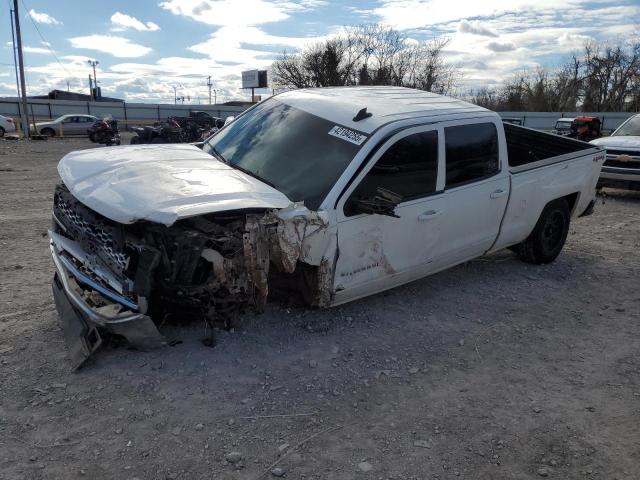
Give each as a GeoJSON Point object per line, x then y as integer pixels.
{"type": "Point", "coordinates": [2, 131]}
{"type": "Point", "coordinates": [134, 140]}
{"type": "Point", "coordinates": [545, 243]}
{"type": "Point", "coordinates": [48, 132]}
{"type": "Point", "coordinates": [158, 140]}
{"type": "Point", "coordinates": [93, 137]}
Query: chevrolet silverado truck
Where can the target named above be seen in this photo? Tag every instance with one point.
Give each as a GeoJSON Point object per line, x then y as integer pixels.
{"type": "Point", "coordinates": [324, 195]}
{"type": "Point", "coordinates": [621, 168]}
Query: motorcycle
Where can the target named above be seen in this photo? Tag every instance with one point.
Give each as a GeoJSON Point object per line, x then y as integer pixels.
{"type": "Point", "coordinates": [105, 132]}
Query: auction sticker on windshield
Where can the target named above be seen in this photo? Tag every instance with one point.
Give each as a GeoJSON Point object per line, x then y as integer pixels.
{"type": "Point", "coordinates": [348, 135]}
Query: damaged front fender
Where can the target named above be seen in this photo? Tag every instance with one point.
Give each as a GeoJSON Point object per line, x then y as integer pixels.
{"type": "Point", "coordinates": [118, 277]}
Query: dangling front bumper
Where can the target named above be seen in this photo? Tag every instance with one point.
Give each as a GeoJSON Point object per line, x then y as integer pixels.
{"type": "Point", "coordinates": [81, 323]}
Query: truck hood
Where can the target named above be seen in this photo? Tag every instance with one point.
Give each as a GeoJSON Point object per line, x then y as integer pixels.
{"type": "Point", "coordinates": [161, 183]}
{"type": "Point", "coordinates": [619, 141]}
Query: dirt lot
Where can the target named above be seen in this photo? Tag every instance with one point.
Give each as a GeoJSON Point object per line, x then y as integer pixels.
{"type": "Point", "coordinates": [492, 370]}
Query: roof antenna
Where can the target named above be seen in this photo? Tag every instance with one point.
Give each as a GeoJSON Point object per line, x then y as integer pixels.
{"type": "Point", "coordinates": [362, 114]}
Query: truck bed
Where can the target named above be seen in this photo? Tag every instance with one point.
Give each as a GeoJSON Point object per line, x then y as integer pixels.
{"type": "Point", "coordinates": [544, 167]}
{"type": "Point", "coordinates": [529, 148]}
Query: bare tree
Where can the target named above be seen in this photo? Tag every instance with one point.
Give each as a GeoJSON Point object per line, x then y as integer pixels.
{"type": "Point", "coordinates": [602, 78]}
{"type": "Point", "coordinates": [368, 55]}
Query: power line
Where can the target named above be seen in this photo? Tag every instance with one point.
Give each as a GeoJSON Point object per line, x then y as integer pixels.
{"type": "Point", "coordinates": [44, 42]}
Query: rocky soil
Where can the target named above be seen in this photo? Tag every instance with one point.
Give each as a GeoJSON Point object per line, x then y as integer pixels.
{"type": "Point", "coordinates": [492, 370]}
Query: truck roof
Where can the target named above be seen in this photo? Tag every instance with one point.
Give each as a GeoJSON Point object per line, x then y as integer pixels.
{"type": "Point", "coordinates": [386, 104]}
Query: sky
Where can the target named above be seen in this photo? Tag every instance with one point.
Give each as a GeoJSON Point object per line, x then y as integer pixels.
{"type": "Point", "coordinates": [150, 49]}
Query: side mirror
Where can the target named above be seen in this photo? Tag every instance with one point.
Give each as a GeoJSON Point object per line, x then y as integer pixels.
{"type": "Point", "coordinates": [383, 202]}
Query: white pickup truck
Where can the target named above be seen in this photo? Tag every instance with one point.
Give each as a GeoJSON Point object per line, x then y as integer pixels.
{"type": "Point", "coordinates": [327, 195]}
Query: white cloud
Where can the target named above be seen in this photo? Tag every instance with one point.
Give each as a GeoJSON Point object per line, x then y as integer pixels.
{"type": "Point", "coordinates": [117, 46]}
{"type": "Point", "coordinates": [501, 46]}
{"type": "Point", "coordinates": [226, 45]}
{"type": "Point", "coordinates": [234, 12]}
{"type": "Point", "coordinates": [41, 17]}
{"type": "Point", "coordinates": [122, 21]}
{"type": "Point", "coordinates": [406, 14]}
{"type": "Point", "coordinates": [35, 50]}
{"type": "Point", "coordinates": [476, 28]}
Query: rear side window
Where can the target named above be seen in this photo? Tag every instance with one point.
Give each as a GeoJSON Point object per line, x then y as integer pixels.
{"type": "Point", "coordinates": [409, 168]}
{"type": "Point", "coordinates": [471, 153]}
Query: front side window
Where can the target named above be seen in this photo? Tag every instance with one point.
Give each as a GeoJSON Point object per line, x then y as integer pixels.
{"type": "Point", "coordinates": [409, 168]}
{"type": "Point", "coordinates": [471, 153]}
{"type": "Point", "coordinates": [287, 148]}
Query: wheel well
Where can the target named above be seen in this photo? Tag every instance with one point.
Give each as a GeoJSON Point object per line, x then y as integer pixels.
{"type": "Point", "coordinates": [571, 199]}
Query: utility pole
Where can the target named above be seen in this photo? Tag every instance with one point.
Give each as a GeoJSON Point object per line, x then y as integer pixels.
{"type": "Point", "coordinates": [15, 60]}
{"type": "Point", "coordinates": [93, 64]}
{"type": "Point", "coordinates": [23, 89]}
{"type": "Point", "coordinates": [209, 84]}
{"type": "Point", "coordinates": [90, 87]}
{"type": "Point", "coordinates": [175, 95]}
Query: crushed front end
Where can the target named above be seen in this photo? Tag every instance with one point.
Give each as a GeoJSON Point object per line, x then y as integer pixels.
{"type": "Point", "coordinates": [125, 278]}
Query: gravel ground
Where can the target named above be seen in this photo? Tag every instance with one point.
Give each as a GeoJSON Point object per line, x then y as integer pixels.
{"type": "Point", "coordinates": [492, 370]}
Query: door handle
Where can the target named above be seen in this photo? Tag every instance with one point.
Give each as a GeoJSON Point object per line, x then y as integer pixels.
{"type": "Point", "coordinates": [498, 193]}
{"type": "Point", "coordinates": [429, 214]}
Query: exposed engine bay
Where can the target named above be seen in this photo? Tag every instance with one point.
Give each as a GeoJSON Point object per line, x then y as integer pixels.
{"type": "Point", "coordinates": [210, 267]}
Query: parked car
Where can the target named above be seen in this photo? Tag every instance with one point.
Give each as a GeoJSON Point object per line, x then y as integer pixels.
{"type": "Point", "coordinates": [563, 126]}
{"type": "Point", "coordinates": [71, 125]}
{"type": "Point", "coordinates": [622, 165]}
{"type": "Point", "coordinates": [7, 125]}
{"type": "Point", "coordinates": [326, 195]}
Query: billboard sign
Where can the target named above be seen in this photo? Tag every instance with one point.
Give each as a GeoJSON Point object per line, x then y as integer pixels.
{"type": "Point", "coordinates": [254, 79]}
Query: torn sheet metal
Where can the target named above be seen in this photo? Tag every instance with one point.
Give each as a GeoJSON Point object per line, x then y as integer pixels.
{"type": "Point", "coordinates": [210, 267]}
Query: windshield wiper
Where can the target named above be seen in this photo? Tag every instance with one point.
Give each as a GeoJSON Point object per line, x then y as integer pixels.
{"type": "Point", "coordinates": [217, 155]}
{"type": "Point", "coordinates": [252, 174]}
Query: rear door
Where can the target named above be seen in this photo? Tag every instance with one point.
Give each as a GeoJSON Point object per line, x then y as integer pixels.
{"type": "Point", "coordinates": [84, 123]}
{"type": "Point", "coordinates": [476, 189]}
{"type": "Point", "coordinates": [379, 251]}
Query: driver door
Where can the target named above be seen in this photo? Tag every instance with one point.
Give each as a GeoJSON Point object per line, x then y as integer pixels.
{"type": "Point", "coordinates": [378, 251]}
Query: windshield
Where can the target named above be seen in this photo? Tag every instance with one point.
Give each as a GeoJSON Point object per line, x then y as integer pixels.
{"type": "Point", "coordinates": [563, 124]}
{"type": "Point", "coordinates": [628, 128]}
{"type": "Point", "coordinates": [287, 148]}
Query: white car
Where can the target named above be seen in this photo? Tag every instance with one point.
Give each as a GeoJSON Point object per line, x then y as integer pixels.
{"type": "Point", "coordinates": [7, 125]}
{"type": "Point", "coordinates": [327, 195]}
{"type": "Point", "coordinates": [622, 166]}
{"type": "Point", "coordinates": [67, 124]}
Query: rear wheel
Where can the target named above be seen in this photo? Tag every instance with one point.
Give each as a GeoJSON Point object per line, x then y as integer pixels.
{"type": "Point", "coordinates": [158, 140]}
{"type": "Point", "coordinates": [49, 132]}
{"type": "Point", "coordinates": [549, 235]}
{"type": "Point", "coordinates": [2, 132]}
{"type": "Point", "coordinates": [135, 140]}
